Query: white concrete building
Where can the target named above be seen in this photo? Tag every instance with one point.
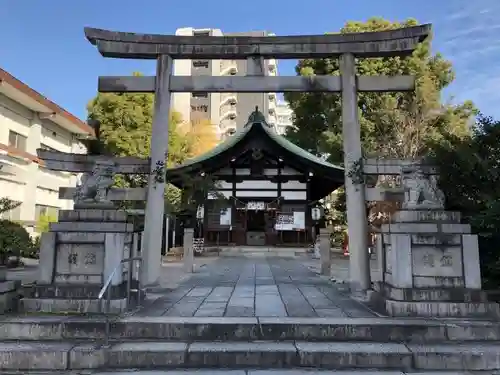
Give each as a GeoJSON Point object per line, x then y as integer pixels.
{"type": "Point", "coordinates": [29, 121]}
{"type": "Point", "coordinates": [226, 111]}
{"type": "Point", "coordinates": [284, 118]}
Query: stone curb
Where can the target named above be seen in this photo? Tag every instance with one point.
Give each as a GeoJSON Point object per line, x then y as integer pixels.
{"type": "Point", "coordinates": [248, 329]}
{"type": "Point", "coordinates": [263, 355]}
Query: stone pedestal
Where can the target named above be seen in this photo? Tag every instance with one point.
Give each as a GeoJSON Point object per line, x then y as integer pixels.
{"type": "Point", "coordinates": [9, 292]}
{"type": "Point", "coordinates": [188, 257]}
{"type": "Point", "coordinates": [77, 256]}
{"type": "Point", "coordinates": [324, 251]}
{"type": "Point", "coordinates": [430, 267]}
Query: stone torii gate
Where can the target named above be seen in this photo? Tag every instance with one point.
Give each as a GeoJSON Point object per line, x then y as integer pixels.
{"type": "Point", "coordinates": [348, 47]}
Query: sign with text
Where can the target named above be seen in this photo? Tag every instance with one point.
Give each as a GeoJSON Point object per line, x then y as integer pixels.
{"type": "Point", "coordinates": [256, 206]}
{"type": "Point", "coordinates": [284, 222]}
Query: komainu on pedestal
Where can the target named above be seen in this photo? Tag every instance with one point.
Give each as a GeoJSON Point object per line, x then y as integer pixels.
{"type": "Point", "coordinates": [83, 250]}
{"type": "Point", "coordinates": [94, 186]}
{"type": "Point", "coordinates": [429, 260]}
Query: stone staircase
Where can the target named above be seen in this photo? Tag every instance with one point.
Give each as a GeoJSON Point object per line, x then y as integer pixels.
{"type": "Point", "coordinates": [74, 344]}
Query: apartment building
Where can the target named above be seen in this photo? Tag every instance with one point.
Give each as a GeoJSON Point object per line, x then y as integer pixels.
{"type": "Point", "coordinates": [284, 118]}
{"type": "Point", "coordinates": [29, 121]}
{"type": "Point", "coordinates": [226, 111]}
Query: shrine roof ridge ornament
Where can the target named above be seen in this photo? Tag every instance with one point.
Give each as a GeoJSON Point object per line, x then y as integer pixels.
{"type": "Point", "coordinates": [257, 116]}
{"type": "Point", "coordinates": [395, 42]}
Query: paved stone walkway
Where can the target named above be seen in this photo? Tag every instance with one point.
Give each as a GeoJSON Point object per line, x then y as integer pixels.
{"type": "Point", "coordinates": [262, 287]}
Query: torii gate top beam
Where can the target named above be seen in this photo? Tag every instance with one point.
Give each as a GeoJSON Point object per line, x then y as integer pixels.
{"type": "Point", "coordinates": [397, 42]}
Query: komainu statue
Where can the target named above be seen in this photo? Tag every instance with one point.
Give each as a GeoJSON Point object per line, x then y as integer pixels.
{"type": "Point", "coordinates": [421, 191]}
{"type": "Point", "coordinates": [94, 186]}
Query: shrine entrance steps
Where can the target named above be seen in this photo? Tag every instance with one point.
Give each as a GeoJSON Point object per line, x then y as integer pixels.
{"type": "Point", "coordinates": [245, 315]}
{"type": "Point", "coordinates": [168, 343]}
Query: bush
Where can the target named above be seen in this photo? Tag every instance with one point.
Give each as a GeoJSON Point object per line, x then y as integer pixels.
{"type": "Point", "coordinates": [14, 241]}
{"type": "Point", "coordinates": [33, 251]}
{"type": "Point", "coordinates": [470, 178]}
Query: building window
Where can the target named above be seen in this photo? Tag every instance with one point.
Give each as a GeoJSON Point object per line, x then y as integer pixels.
{"type": "Point", "coordinates": [199, 94]}
{"type": "Point", "coordinates": [17, 140]}
{"type": "Point", "coordinates": [42, 210]}
{"type": "Point", "coordinates": [47, 148]}
{"type": "Point", "coordinates": [12, 215]}
{"type": "Point", "coordinates": [201, 33]}
{"type": "Point", "coordinates": [200, 64]}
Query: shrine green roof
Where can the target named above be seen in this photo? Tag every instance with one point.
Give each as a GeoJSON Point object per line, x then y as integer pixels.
{"type": "Point", "coordinates": [255, 119]}
{"type": "Point", "coordinates": [220, 148]}
{"type": "Point", "coordinates": [292, 147]}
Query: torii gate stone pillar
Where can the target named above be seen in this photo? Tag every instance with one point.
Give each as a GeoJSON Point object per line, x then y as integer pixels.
{"type": "Point", "coordinates": [164, 48]}
{"type": "Point", "coordinates": [155, 204]}
{"type": "Point", "coordinates": [359, 262]}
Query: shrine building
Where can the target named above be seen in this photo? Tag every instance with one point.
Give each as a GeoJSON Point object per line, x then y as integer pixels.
{"type": "Point", "coordinates": [269, 184]}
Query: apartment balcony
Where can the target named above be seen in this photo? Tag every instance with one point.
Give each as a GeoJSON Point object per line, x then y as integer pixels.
{"type": "Point", "coordinates": [227, 110]}
{"type": "Point", "coordinates": [272, 112]}
{"type": "Point", "coordinates": [229, 114]}
{"type": "Point", "coordinates": [228, 98]}
{"type": "Point", "coordinates": [227, 124]}
{"type": "Point", "coordinates": [231, 131]}
{"type": "Point", "coordinates": [7, 169]}
{"type": "Point", "coordinates": [228, 68]}
{"type": "Point", "coordinates": [272, 66]}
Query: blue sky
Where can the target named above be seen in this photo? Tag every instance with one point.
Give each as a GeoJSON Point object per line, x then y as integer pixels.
{"type": "Point", "coordinates": [43, 43]}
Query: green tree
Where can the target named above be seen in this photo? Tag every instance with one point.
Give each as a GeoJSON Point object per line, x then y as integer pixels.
{"type": "Point", "coordinates": [470, 177]}
{"type": "Point", "coordinates": [125, 130]}
{"type": "Point", "coordinates": [392, 124]}
{"type": "Point", "coordinates": [15, 241]}
{"type": "Point", "coordinates": [7, 204]}
{"type": "Point", "coordinates": [401, 125]}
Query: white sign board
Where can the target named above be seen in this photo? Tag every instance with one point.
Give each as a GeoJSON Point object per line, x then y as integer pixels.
{"type": "Point", "coordinates": [225, 216]}
{"type": "Point", "coordinates": [290, 221]}
{"type": "Point", "coordinates": [299, 220]}
{"type": "Point", "coordinates": [284, 222]}
{"type": "Point", "coordinates": [256, 206]}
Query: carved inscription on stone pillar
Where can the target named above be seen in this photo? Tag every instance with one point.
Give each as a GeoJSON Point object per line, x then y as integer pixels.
{"type": "Point", "coordinates": [435, 262]}
{"type": "Point", "coordinates": [80, 263]}
{"type": "Point", "coordinates": [90, 258]}
{"type": "Point", "coordinates": [428, 260]}
{"type": "Point", "coordinates": [72, 258]}
{"type": "Point", "coordinates": [446, 261]}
